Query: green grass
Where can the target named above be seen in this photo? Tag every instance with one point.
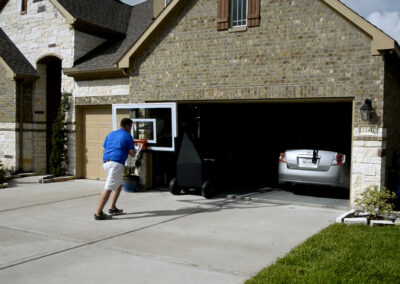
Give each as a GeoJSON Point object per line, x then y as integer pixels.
{"type": "Point", "coordinates": [340, 254]}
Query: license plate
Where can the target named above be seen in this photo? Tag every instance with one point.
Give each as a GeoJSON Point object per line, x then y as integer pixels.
{"type": "Point", "coordinates": [307, 163]}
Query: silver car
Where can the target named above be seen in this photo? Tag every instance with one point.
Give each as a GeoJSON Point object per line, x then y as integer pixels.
{"type": "Point", "coordinates": [317, 167]}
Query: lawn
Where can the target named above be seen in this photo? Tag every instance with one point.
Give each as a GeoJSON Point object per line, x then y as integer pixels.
{"type": "Point", "coordinates": [340, 254]}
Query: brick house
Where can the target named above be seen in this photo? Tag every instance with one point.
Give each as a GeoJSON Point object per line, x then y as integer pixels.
{"type": "Point", "coordinates": [261, 76]}
{"type": "Point", "coordinates": [41, 42]}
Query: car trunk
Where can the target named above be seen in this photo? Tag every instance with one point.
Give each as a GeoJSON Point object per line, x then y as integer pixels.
{"type": "Point", "coordinates": [312, 160]}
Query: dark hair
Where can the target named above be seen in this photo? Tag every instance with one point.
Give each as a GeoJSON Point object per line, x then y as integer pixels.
{"type": "Point", "coordinates": [126, 121]}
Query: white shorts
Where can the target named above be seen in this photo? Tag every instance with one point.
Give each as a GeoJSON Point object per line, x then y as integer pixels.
{"type": "Point", "coordinates": [115, 173]}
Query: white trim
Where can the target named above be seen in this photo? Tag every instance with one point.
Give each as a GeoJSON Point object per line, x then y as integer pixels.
{"type": "Point", "coordinates": [154, 127]}
{"type": "Point", "coordinates": [174, 119]}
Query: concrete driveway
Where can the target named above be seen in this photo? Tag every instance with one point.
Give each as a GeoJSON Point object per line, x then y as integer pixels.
{"type": "Point", "coordinates": [48, 235]}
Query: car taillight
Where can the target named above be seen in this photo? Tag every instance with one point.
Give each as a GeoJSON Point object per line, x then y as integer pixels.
{"type": "Point", "coordinates": [282, 158]}
{"type": "Point", "coordinates": [339, 160]}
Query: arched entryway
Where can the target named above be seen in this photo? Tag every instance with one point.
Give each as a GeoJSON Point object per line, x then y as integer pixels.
{"type": "Point", "coordinates": [51, 70]}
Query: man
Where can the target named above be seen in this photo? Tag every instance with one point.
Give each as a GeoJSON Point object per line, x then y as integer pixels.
{"type": "Point", "coordinates": [117, 145]}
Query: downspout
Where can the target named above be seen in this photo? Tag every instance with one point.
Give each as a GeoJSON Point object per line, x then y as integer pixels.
{"type": "Point", "coordinates": [21, 127]}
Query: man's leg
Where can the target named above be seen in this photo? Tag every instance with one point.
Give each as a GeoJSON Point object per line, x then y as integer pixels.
{"type": "Point", "coordinates": [102, 201]}
{"type": "Point", "coordinates": [115, 196]}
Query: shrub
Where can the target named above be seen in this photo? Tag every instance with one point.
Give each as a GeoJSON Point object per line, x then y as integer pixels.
{"type": "Point", "coordinates": [375, 201]}
{"type": "Point", "coordinates": [58, 163]}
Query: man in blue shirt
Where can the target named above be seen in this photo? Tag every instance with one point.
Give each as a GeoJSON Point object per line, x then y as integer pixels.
{"type": "Point", "coordinates": [117, 146]}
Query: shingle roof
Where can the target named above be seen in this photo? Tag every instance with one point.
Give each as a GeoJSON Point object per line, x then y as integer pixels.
{"type": "Point", "coordinates": [14, 58]}
{"type": "Point", "coordinates": [108, 54]}
{"type": "Point", "coordinates": [109, 14]}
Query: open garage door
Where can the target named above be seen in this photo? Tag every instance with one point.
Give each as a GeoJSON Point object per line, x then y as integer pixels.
{"type": "Point", "coordinates": [247, 138]}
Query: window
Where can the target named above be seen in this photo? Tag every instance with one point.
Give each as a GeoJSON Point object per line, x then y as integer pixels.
{"type": "Point", "coordinates": [24, 6]}
{"type": "Point", "coordinates": [167, 2]}
{"type": "Point", "coordinates": [239, 13]}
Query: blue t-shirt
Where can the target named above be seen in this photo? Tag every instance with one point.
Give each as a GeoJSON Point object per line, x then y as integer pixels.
{"type": "Point", "coordinates": [117, 146]}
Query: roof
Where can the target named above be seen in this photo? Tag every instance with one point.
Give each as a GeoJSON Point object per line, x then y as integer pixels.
{"type": "Point", "coordinates": [107, 55]}
{"type": "Point", "coordinates": [379, 40]}
{"type": "Point", "coordinates": [111, 15]}
{"type": "Point", "coordinates": [101, 17]}
{"type": "Point", "coordinates": [13, 60]}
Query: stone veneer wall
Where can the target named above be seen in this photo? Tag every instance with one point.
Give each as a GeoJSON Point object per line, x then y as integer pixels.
{"type": "Point", "coordinates": [106, 87]}
{"type": "Point", "coordinates": [8, 123]}
{"type": "Point", "coordinates": [303, 49]}
{"type": "Point", "coordinates": [41, 32]}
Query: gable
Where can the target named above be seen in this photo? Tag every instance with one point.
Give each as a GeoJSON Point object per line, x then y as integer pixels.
{"type": "Point", "coordinates": [379, 40]}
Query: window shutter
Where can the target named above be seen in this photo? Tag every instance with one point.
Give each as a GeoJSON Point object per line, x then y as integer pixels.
{"type": "Point", "coordinates": [223, 15]}
{"type": "Point", "coordinates": [253, 15]}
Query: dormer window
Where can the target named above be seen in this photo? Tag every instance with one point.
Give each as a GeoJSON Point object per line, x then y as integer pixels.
{"type": "Point", "coordinates": [24, 6]}
{"type": "Point", "coordinates": [239, 13]}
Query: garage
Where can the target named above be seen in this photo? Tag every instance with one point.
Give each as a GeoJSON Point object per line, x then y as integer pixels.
{"type": "Point", "coordinates": [97, 123]}
{"type": "Point", "coordinates": [245, 139]}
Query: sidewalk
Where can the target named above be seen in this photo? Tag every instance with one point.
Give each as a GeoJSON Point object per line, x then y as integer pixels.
{"type": "Point", "coordinates": [48, 235]}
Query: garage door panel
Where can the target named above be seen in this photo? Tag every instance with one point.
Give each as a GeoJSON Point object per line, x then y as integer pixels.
{"type": "Point", "coordinates": [98, 123]}
{"type": "Point", "coordinates": [102, 134]}
{"type": "Point", "coordinates": [91, 172]}
{"type": "Point", "coordinates": [92, 151]}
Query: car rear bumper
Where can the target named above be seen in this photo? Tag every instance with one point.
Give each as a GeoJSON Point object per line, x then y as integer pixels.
{"type": "Point", "coordinates": [335, 176]}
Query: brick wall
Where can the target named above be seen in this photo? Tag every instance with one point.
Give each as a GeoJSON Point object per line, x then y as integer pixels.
{"type": "Point", "coordinates": [7, 98]}
{"type": "Point", "coordinates": [303, 49]}
{"type": "Point", "coordinates": [7, 119]}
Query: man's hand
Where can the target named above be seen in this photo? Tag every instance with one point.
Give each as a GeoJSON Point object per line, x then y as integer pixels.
{"type": "Point", "coordinates": [132, 153]}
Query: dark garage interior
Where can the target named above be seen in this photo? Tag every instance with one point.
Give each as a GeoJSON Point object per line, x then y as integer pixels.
{"type": "Point", "coordinates": [240, 143]}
